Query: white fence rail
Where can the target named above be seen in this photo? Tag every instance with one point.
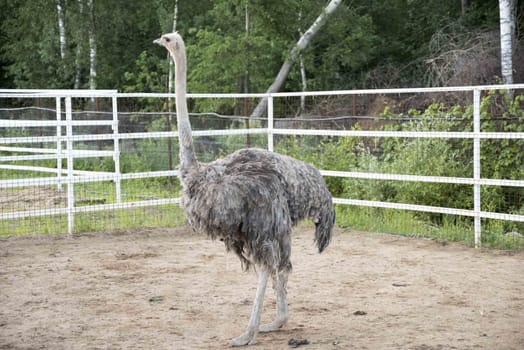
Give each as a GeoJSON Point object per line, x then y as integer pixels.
{"type": "Point", "coordinates": [70, 176]}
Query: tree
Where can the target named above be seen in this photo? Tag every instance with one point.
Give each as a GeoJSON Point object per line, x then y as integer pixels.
{"type": "Point", "coordinates": [170, 84]}
{"type": "Point", "coordinates": [233, 45]}
{"type": "Point", "coordinates": [507, 33]}
{"type": "Point", "coordinates": [34, 60]}
{"type": "Point", "coordinates": [234, 49]}
{"type": "Point", "coordinates": [124, 29]}
{"type": "Point", "coordinates": [171, 71]}
{"type": "Point", "coordinates": [62, 29]}
{"type": "Point", "coordinates": [302, 43]}
{"type": "Point", "coordinates": [79, 46]}
{"type": "Point", "coordinates": [92, 45]}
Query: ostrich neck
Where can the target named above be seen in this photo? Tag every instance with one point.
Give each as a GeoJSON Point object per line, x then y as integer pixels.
{"type": "Point", "coordinates": [187, 151]}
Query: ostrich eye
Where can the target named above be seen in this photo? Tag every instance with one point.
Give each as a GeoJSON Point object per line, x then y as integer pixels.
{"type": "Point", "coordinates": [167, 39]}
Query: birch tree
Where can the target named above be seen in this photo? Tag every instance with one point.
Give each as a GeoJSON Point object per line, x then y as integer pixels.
{"type": "Point", "coordinates": [303, 76]}
{"type": "Point", "coordinates": [170, 84]}
{"type": "Point", "coordinates": [92, 45]}
{"type": "Point", "coordinates": [507, 32]}
{"type": "Point", "coordinates": [79, 46]}
{"type": "Point", "coordinates": [171, 71]}
{"type": "Point", "coordinates": [61, 28]}
{"type": "Point", "coordinates": [302, 43]}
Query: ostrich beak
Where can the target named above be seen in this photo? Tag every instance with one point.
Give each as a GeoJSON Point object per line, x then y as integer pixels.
{"type": "Point", "coordinates": [158, 41]}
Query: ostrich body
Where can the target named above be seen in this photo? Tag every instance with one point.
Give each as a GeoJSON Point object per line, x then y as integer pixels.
{"type": "Point", "coordinates": [250, 200]}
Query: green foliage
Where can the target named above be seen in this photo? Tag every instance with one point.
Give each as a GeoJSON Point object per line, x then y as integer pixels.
{"type": "Point", "coordinates": [148, 155]}
{"type": "Point", "coordinates": [224, 57]}
{"type": "Point", "coordinates": [207, 72]}
{"type": "Point", "coordinates": [148, 74]}
{"type": "Point", "coordinates": [340, 54]}
{"type": "Point", "coordinates": [427, 157]}
{"type": "Point", "coordinates": [32, 56]}
{"type": "Point", "coordinates": [233, 46]}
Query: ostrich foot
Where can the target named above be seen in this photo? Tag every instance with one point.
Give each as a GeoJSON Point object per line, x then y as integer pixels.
{"type": "Point", "coordinates": [273, 326]}
{"type": "Point", "coordinates": [248, 338]}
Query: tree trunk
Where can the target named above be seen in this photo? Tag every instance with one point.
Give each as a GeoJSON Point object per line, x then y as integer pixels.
{"type": "Point", "coordinates": [169, 126]}
{"type": "Point", "coordinates": [79, 46]}
{"type": "Point", "coordinates": [507, 30]}
{"type": "Point", "coordinates": [304, 84]}
{"type": "Point", "coordinates": [303, 76]}
{"type": "Point", "coordinates": [92, 45]}
{"type": "Point", "coordinates": [302, 43]}
{"type": "Point", "coordinates": [245, 87]}
{"type": "Point", "coordinates": [170, 77]}
{"type": "Point", "coordinates": [61, 28]}
{"type": "Point", "coordinates": [246, 71]}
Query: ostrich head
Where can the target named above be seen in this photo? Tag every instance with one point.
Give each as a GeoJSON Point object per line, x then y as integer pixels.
{"type": "Point", "coordinates": [172, 42]}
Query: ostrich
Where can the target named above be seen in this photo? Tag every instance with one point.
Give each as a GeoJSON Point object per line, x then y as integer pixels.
{"type": "Point", "coordinates": [249, 200]}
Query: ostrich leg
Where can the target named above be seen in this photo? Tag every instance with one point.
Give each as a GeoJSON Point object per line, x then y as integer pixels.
{"type": "Point", "coordinates": [279, 284]}
{"type": "Point", "coordinates": [250, 335]}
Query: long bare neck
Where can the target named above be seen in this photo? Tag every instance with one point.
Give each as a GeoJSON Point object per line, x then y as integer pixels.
{"type": "Point", "coordinates": [187, 151]}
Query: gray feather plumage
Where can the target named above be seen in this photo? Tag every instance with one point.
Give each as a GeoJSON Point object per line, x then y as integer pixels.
{"type": "Point", "coordinates": [251, 199]}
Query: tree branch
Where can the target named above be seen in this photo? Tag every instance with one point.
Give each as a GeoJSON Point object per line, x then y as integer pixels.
{"type": "Point", "coordinates": [302, 43]}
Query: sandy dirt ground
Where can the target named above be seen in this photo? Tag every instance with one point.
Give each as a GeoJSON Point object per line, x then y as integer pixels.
{"type": "Point", "coordinates": [167, 289]}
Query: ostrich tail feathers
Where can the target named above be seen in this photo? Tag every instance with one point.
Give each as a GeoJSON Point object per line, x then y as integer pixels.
{"type": "Point", "coordinates": [324, 229]}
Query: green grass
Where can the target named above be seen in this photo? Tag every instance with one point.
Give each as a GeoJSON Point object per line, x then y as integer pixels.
{"type": "Point", "coordinates": [401, 222]}
{"type": "Point", "coordinates": [496, 234]}
{"type": "Point", "coordinates": [104, 192]}
{"type": "Point", "coordinates": [408, 223]}
{"type": "Point", "coordinates": [442, 227]}
{"type": "Point", "coordinates": [93, 193]}
{"type": "Point", "coordinates": [34, 225]}
{"type": "Point", "coordinates": [159, 216]}
{"type": "Point", "coordinates": [170, 215]}
{"type": "Point", "coordinates": [380, 220]}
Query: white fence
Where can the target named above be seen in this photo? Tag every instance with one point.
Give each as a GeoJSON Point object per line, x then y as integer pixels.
{"type": "Point", "coordinates": [69, 176]}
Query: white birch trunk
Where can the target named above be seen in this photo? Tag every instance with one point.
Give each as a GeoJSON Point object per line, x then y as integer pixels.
{"type": "Point", "coordinates": [79, 46]}
{"type": "Point", "coordinates": [92, 46]}
{"type": "Point", "coordinates": [61, 28]}
{"type": "Point", "coordinates": [170, 81]}
{"type": "Point", "coordinates": [302, 43]}
{"type": "Point", "coordinates": [171, 72]}
{"type": "Point", "coordinates": [246, 48]}
{"type": "Point", "coordinates": [507, 30]}
{"type": "Point", "coordinates": [304, 84]}
{"type": "Point", "coordinates": [302, 73]}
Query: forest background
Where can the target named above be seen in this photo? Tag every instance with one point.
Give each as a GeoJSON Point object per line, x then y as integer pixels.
{"type": "Point", "coordinates": [239, 45]}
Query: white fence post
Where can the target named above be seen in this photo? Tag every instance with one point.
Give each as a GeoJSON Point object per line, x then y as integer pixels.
{"type": "Point", "coordinates": [476, 166]}
{"type": "Point", "coordinates": [70, 166]}
{"type": "Point", "coordinates": [116, 155]}
{"type": "Point", "coordinates": [270, 123]}
{"type": "Point", "coordinates": [59, 143]}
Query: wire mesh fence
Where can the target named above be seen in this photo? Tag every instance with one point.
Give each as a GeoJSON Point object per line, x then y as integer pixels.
{"type": "Point", "coordinates": [440, 163]}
